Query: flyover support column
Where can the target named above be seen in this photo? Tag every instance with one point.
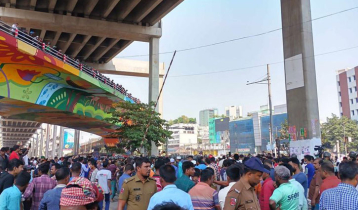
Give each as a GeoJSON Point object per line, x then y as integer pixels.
{"type": "Point", "coordinates": [47, 140]}
{"type": "Point", "coordinates": [60, 147]}
{"type": "Point", "coordinates": [41, 142]}
{"type": "Point", "coordinates": [54, 141]}
{"type": "Point", "coordinates": [154, 78]}
{"type": "Point", "coordinates": [76, 145]}
{"type": "Point", "coordinates": [301, 86]}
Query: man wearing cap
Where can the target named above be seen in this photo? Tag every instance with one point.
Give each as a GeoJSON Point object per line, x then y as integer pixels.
{"type": "Point", "coordinates": [172, 163]}
{"type": "Point", "coordinates": [180, 167]}
{"type": "Point", "coordinates": [242, 195]}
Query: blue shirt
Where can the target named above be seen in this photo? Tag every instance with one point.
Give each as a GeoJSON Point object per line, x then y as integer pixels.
{"type": "Point", "coordinates": [176, 170]}
{"type": "Point", "coordinates": [51, 199]}
{"type": "Point", "coordinates": [121, 180]}
{"type": "Point", "coordinates": [309, 172]}
{"type": "Point", "coordinates": [272, 174]}
{"type": "Point", "coordinates": [171, 193]}
{"type": "Point", "coordinates": [302, 179]}
{"type": "Point", "coordinates": [343, 197]}
{"type": "Point", "coordinates": [10, 199]}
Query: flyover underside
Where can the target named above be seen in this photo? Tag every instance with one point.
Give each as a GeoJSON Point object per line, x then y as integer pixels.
{"type": "Point", "coordinates": [91, 30]}
{"type": "Point", "coordinates": [20, 110]}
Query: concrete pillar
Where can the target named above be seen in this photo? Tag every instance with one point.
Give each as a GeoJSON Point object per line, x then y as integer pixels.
{"type": "Point", "coordinates": [41, 142]}
{"type": "Point", "coordinates": [47, 140]}
{"type": "Point", "coordinates": [154, 78]}
{"type": "Point", "coordinates": [60, 148]}
{"type": "Point", "coordinates": [76, 145]}
{"type": "Point", "coordinates": [37, 146]}
{"type": "Point", "coordinates": [54, 142]}
{"type": "Point", "coordinates": [301, 88]}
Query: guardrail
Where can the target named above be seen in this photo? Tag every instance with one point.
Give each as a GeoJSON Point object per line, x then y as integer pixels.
{"type": "Point", "coordinates": [33, 41]}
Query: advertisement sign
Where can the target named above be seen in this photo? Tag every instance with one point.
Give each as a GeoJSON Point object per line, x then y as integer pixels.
{"type": "Point", "coordinates": [222, 130]}
{"type": "Point", "coordinates": [69, 138]}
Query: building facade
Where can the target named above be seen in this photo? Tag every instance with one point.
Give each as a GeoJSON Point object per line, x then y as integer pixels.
{"type": "Point", "coordinates": [205, 115]}
{"type": "Point", "coordinates": [184, 136]}
{"type": "Point", "coordinates": [347, 92]}
{"type": "Point", "coordinates": [251, 134]}
{"type": "Point", "coordinates": [233, 112]}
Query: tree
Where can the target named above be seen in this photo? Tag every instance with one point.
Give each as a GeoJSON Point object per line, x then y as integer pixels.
{"type": "Point", "coordinates": [337, 129]}
{"type": "Point", "coordinates": [183, 119]}
{"type": "Point", "coordinates": [133, 120]}
{"type": "Point", "coordinates": [284, 130]}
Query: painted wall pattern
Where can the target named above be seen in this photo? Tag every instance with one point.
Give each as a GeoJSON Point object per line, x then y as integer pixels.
{"type": "Point", "coordinates": [34, 84]}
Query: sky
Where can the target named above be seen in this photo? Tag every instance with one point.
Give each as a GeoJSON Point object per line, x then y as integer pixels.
{"type": "Point", "coordinates": [200, 22]}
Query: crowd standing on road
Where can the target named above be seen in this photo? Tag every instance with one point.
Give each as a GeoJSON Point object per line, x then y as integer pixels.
{"type": "Point", "coordinates": [177, 183]}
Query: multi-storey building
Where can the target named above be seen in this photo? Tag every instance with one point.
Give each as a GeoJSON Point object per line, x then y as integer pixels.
{"type": "Point", "coordinates": [347, 92]}
{"type": "Point", "coordinates": [184, 136]}
{"type": "Point", "coordinates": [234, 112]}
{"type": "Point", "coordinates": [205, 115]}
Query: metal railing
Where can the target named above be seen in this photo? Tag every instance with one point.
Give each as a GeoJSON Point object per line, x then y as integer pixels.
{"type": "Point", "coordinates": [46, 48]}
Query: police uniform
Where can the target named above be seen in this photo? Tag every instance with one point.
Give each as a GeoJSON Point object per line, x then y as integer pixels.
{"type": "Point", "coordinates": [242, 195]}
{"type": "Point", "coordinates": [136, 193]}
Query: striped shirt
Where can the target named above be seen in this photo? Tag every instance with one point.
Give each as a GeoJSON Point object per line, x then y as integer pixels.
{"type": "Point", "coordinates": [204, 197]}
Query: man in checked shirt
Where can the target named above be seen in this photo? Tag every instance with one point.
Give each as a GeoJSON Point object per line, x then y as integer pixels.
{"type": "Point", "coordinates": [39, 186]}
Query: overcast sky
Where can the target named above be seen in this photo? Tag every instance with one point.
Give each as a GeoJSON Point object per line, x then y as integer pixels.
{"type": "Point", "coordinates": [200, 22]}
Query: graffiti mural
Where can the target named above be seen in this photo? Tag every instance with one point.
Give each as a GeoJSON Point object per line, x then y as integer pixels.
{"type": "Point", "coordinates": [35, 85]}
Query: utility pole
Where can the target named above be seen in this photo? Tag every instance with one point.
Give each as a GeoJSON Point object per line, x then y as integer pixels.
{"type": "Point", "coordinates": [263, 81]}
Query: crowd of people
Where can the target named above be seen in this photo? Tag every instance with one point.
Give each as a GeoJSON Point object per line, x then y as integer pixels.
{"type": "Point", "coordinates": [31, 38]}
{"type": "Point", "coordinates": [230, 182]}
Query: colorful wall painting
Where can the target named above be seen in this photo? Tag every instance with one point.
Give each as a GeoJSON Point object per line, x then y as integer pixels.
{"type": "Point", "coordinates": [45, 87]}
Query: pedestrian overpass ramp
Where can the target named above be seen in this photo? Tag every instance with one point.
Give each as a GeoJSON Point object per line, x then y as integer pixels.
{"type": "Point", "coordinates": [38, 86]}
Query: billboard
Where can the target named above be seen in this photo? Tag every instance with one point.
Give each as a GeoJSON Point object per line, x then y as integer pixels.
{"type": "Point", "coordinates": [222, 133]}
{"type": "Point", "coordinates": [69, 138]}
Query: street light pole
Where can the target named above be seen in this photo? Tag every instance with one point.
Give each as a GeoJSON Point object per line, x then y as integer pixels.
{"type": "Point", "coordinates": [263, 81]}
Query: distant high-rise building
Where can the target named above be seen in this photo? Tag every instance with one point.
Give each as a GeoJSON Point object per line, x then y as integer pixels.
{"type": "Point", "coordinates": [205, 115]}
{"type": "Point", "coordinates": [233, 112]}
{"type": "Point", "coordinates": [347, 92]}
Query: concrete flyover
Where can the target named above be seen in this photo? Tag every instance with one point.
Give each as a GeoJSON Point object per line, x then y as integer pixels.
{"type": "Point", "coordinates": [37, 86]}
{"type": "Point", "coordinates": [91, 30]}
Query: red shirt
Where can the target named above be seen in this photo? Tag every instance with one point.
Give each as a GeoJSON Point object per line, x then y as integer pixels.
{"type": "Point", "coordinates": [328, 183]}
{"type": "Point", "coordinates": [265, 194]}
{"type": "Point", "coordinates": [14, 155]}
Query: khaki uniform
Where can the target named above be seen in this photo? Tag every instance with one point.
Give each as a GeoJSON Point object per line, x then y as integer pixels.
{"type": "Point", "coordinates": [241, 197]}
{"type": "Point", "coordinates": [136, 194]}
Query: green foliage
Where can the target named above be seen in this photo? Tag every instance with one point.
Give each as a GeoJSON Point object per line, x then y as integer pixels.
{"type": "Point", "coordinates": [134, 119]}
{"type": "Point", "coordinates": [337, 128]}
{"type": "Point", "coordinates": [219, 116]}
{"type": "Point", "coordinates": [183, 119]}
{"type": "Point", "coordinates": [284, 130]}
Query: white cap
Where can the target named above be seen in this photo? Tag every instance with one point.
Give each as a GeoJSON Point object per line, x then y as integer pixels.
{"type": "Point", "coordinates": [194, 162]}
{"type": "Point", "coordinates": [172, 160]}
{"type": "Point", "coordinates": [178, 158]}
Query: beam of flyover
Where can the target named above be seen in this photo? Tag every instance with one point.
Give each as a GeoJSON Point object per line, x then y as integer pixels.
{"type": "Point", "coordinates": [126, 67]}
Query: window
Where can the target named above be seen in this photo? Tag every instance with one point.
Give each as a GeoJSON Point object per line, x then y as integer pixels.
{"type": "Point", "coordinates": [355, 88]}
{"type": "Point", "coordinates": [350, 90]}
{"type": "Point", "coordinates": [340, 94]}
{"type": "Point", "coordinates": [354, 77]}
{"type": "Point", "coordinates": [341, 114]}
{"type": "Point", "coordinates": [356, 100]}
{"type": "Point", "coordinates": [339, 84]}
{"type": "Point", "coordinates": [349, 79]}
{"type": "Point", "coordinates": [340, 103]}
{"type": "Point", "coordinates": [353, 112]}
{"type": "Point", "coordinates": [351, 101]}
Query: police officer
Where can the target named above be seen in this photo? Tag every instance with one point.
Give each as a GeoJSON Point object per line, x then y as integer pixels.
{"type": "Point", "coordinates": [242, 194]}
{"type": "Point", "coordinates": [137, 190]}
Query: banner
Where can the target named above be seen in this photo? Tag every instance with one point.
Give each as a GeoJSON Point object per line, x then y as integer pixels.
{"type": "Point", "coordinates": [69, 138]}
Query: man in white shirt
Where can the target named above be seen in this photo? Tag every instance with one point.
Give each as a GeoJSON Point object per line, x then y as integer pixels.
{"type": "Point", "coordinates": [93, 166]}
{"type": "Point", "coordinates": [104, 177]}
{"type": "Point", "coordinates": [233, 175]}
